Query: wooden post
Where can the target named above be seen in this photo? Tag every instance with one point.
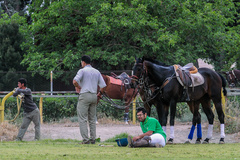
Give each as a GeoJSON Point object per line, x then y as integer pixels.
{"type": "Point", "coordinates": [41, 109]}
{"type": "Point", "coordinates": [134, 110]}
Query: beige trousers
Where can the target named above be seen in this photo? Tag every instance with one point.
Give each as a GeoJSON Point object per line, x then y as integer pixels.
{"type": "Point", "coordinates": [86, 110]}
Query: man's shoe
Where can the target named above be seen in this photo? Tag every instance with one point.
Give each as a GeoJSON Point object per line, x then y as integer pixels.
{"type": "Point", "coordinates": [17, 139]}
{"type": "Point", "coordinates": [130, 142]}
{"type": "Point", "coordinates": [92, 141]}
{"type": "Point", "coordinates": [85, 142]}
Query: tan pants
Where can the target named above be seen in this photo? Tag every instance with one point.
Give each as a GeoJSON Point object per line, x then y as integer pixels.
{"type": "Point", "coordinates": [86, 110]}
{"type": "Point", "coordinates": [27, 118]}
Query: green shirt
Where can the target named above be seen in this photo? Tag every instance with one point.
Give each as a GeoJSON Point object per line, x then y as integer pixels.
{"type": "Point", "coordinates": [152, 124]}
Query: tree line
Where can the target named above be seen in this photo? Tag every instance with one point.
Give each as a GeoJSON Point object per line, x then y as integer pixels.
{"type": "Point", "coordinates": [45, 35]}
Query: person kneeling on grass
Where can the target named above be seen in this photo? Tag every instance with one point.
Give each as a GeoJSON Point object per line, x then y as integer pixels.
{"type": "Point", "coordinates": [153, 134]}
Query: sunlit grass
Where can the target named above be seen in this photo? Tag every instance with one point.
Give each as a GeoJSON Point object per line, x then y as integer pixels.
{"type": "Point", "coordinates": [71, 149]}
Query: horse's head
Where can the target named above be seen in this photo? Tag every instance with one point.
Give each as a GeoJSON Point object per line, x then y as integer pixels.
{"type": "Point", "coordinates": [138, 68]}
{"type": "Point", "coordinates": [231, 78]}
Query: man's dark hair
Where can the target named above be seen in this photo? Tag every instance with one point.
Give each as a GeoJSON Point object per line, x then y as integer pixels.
{"type": "Point", "coordinates": [23, 81]}
{"type": "Point", "coordinates": [141, 109]}
{"type": "Point", "coordinates": [86, 59]}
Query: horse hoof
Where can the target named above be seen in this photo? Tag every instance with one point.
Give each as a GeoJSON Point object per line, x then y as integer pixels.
{"type": "Point", "coordinates": [221, 141]}
{"type": "Point", "coordinates": [170, 141]}
{"type": "Point", "coordinates": [206, 141]}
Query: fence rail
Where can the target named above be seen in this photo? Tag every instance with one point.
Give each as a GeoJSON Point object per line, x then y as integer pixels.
{"type": "Point", "coordinates": [233, 92]}
{"type": "Point", "coordinates": [230, 92]}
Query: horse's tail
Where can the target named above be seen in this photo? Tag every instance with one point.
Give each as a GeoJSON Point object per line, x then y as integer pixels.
{"type": "Point", "coordinates": [224, 84]}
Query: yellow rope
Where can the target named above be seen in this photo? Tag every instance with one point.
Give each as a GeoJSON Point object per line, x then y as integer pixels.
{"type": "Point", "coordinates": [19, 104]}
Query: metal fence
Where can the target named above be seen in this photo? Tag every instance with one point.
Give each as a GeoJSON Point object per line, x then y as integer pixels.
{"type": "Point", "coordinates": [51, 81]}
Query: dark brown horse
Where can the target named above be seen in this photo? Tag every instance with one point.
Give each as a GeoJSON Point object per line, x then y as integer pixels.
{"type": "Point", "coordinates": [170, 92]}
{"type": "Point", "coordinates": [233, 78]}
{"type": "Point", "coordinates": [116, 90]}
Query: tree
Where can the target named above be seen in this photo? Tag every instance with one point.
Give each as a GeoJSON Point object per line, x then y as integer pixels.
{"type": "Point", "coordinates": [114, 32]}
{"type": "Point", "coordinates": [11, 53]}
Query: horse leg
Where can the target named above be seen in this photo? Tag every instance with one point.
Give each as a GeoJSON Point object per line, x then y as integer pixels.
{"type": "Point", "coordinates": [218, 106]}
{"type": "Point", "coordinates": [162, 115]}
{"type": "Point", "coordinates": [173, 104]}
{"type": "Point", "coordinates": [194, 107]}
{"type": "Point", "coordinates": [126, 116]}
{"type": "Point", "coordinates": [206, 105]}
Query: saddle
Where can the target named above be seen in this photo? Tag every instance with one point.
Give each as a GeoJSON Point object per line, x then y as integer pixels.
{"type": "Point", "coordinates": [185, 79]}
{"type": "Point", "coordinates": [124, 77]}
{"type": "Point", "coordinates": [184, 73]}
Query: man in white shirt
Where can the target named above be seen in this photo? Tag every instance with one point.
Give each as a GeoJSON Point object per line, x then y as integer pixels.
{"type": "Point", "coordinates": [86, 83]}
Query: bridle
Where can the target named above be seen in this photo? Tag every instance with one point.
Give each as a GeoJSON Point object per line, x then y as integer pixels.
{"type": "Point", "coordinates": [142, 81]}
{"type": "Point", "coordinates": [232, 78]}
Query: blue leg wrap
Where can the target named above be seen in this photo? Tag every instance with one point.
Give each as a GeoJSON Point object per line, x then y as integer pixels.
{"type": "Point", "coordinates": [190, 136]}
{"type": "Point", "coordinates": [199, 131]}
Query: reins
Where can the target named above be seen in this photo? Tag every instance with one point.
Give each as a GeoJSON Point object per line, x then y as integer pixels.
{"type": "Point", "coordinates": [107, 99]}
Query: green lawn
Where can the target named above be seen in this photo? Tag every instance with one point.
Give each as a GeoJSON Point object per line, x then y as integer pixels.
{"type": "Point", "coordinates": [69, 149]}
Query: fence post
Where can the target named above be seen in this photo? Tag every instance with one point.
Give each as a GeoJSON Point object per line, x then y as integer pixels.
{"type": "Point", "coordinates": [51, 82]}
{"type": "Point", "coordinates": [41, 109]}
{"type": "Point", "coordinates": [134, 110]}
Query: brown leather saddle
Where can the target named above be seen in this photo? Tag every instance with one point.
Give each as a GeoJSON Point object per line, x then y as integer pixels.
{"type": "Point", "coordinates": [185, 72]}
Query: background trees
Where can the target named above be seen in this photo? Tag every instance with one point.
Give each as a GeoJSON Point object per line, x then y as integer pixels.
{"type": "Point", "coordinates": [113, 33]}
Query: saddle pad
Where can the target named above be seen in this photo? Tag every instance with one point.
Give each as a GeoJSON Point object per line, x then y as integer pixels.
{"type": "Point", "coordinates": [197, 79]}
{"type": "Point", "coordinates": [115, 81]}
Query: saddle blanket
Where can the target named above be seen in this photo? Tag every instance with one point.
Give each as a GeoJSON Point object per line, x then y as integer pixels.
{"type": "Point", "coordinates": [115, 81]}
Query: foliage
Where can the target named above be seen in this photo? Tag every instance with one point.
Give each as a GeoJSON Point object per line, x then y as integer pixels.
{"type": "Point", "coordinates": [105, 109]}
{"type": "Point", "coordinates": [55, 109]}
{"type": "Point", "coordinates": [11, 7]}
{"type": "Point", "coordinates": [113, 33]}
{"type": "Point", "coordinates": [232, 115]}
{"type": "Point", "coordinates": [11, 53]}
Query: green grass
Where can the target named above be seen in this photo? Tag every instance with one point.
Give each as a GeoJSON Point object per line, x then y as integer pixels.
{"type": "Point", "coordinates": [70, 149]}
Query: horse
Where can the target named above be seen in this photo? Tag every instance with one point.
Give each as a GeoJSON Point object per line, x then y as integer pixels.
{"type": "Point", "coordinates": [233, 78]}
{"type": "Point", "coordinates": [116, 90]}
{"type": "Point", "coordinates": [171, 91]}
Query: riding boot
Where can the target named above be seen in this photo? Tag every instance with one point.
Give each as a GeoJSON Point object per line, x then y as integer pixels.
{"type": "Point", "coordinates": [141, 143]}
{"type": "Point", "coordinates": [126, 118]}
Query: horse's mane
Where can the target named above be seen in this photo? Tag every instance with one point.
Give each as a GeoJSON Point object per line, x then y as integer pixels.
{"type": "Point", "coordinates": [155, 61]}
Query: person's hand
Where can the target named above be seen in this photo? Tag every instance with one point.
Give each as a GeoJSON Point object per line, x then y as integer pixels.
{"type": "Point", "coordinates": [135, 138]}
{"type": "Point", "coordinates": [99, 95]}
{"type": "Point", "coordinates": [77, 89]}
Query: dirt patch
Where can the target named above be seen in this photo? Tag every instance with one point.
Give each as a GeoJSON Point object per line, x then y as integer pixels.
{"type": "Point", "coordinates": [105, 131]}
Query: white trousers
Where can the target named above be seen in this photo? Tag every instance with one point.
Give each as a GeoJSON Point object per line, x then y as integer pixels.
{"type": "Point", "coordinates": [158, 138]}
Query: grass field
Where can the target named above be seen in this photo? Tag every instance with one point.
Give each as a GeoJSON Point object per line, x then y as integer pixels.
{"type": "Point", "coordinates": [70, 149]}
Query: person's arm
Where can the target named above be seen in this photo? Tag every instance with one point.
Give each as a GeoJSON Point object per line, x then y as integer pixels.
{"type": "Point", "coordinates": [24, 91]}
{"type": "Point", "coordinates": [76, 79]}
{"type": "Point", "coordinates": [77, 87]}
{"type": "Point", "coordinates": [148, 133]}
